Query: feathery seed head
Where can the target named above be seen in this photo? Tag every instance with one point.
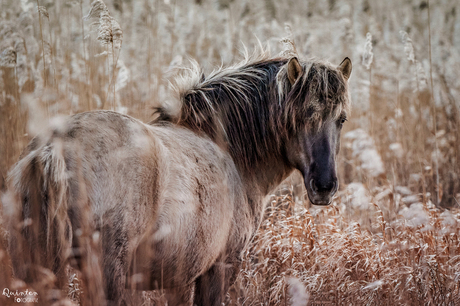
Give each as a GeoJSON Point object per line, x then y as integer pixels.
{"type": "Point", "coordinates": [42, 10]}
{"type": "Point", "coordinates": [8, 58]}
{"type": "Point", "coordinates": [408, 47]}
{"type": "Point", "coordinates": [289, 49]}
{"type": "Point", "coordinates": [368, 55]}
{"type": "Point", "coordinates": [108, 29]}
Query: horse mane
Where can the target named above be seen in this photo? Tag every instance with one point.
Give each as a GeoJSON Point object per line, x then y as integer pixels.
{"type": "Point", "coordinates": [251, 108]}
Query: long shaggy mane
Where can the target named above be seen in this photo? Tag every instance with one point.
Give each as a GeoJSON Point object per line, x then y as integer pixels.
{"type": "Point", "coordinates": [251, 108]}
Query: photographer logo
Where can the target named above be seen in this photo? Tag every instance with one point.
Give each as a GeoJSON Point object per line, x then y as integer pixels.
{"type": "Point", "coordinates": [26, 296]}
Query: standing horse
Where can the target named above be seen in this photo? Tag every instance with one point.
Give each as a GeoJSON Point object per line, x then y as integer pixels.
{"type": "Point", "coordinates": [177, 200]}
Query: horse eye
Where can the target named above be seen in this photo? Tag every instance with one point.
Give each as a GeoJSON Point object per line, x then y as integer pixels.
{"type": "Point", "coordinates": [342, 120]}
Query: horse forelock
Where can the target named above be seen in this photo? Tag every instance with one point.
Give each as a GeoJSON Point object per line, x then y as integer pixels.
{"type": "Point", "coordinates": [319, 95]}
{"type": "Point", "coordinates": [252, 107]}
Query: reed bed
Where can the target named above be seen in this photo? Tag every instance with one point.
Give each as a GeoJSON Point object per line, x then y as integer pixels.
{"type": "Point", "coordinates": [391, 237]}
{"type": "Point", "coordinates": [337, 261]}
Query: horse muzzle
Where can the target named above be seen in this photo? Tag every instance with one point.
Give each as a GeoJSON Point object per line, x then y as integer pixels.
{"type": "Point", "coordinates": [321, 193]}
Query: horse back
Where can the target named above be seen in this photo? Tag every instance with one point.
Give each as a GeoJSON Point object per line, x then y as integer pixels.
{"type": "Point", "coordinates": [162, 189]}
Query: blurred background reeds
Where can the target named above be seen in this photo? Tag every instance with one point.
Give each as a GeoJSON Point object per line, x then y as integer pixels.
{"type": "Point", "coordinates": [391, 237]}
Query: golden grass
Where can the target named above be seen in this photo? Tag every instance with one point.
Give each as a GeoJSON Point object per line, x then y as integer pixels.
{"type": "Point", "coordinates": [340, 262]}
{"type": "Point", "coordinates": [398, 247]}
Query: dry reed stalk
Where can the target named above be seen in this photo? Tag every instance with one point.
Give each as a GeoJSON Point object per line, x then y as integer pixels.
{"type": "Point", "coordinates": [42, 10]}
{"type": "Point", "coordinates": [435, 128]}
{"type": "Point", "coordinates": [52, 53]}
{"type": "Point", "coordinates": [416, 265]}
{"type": "Point", "coordinates": [109, 34]}
{"type": "Point", "coordinates": [368, 57]}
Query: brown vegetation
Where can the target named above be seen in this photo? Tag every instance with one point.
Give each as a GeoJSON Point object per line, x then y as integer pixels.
{"type": "Point", "coordinates": [391, 237]}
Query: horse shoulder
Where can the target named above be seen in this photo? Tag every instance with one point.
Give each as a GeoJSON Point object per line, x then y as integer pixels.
{"type": "Point", "coordinates": [201, 195]}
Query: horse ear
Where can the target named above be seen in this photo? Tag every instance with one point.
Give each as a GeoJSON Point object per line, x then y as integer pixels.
{"type": "Point", "coordinates": [345, 68]}
{"type": "Point", "coordinates": [294, 70]}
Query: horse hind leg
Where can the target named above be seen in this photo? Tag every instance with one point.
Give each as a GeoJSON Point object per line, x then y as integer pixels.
{"type": "Point", "coordinates": [210, 287]}
{"type": "Point", "coordinates": [115, 240]}
{"type": "Point", "coordinates": [180, 296]}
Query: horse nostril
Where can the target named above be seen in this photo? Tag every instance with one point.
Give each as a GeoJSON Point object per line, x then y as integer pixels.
{"type": "Point", "coordinates": [313, 185]}
{"type": "Point", "coordinates": [334, 187]}
{"type": "Point", "coordinates": [331, 187]}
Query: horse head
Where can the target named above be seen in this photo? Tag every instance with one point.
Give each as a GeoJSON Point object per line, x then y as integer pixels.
{"type": "Point", "coordinates": [318, 94]}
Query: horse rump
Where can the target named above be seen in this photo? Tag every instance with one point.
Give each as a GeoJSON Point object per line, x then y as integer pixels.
{"type": "Point", "coordinates": [45, 231]}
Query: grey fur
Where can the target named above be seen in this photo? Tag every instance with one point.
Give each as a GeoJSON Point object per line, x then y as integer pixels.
{"type": "Point", "coordinates": [175, 201]}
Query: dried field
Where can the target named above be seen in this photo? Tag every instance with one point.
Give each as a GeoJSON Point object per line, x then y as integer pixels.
{"type": "Point", "coordinates": [391, 237]}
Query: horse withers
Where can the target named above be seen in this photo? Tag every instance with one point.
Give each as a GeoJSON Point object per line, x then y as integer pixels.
{"type": "Point", "coordinates": [172, 204]}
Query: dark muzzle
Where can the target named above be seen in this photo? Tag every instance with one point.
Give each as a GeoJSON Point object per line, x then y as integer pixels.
{"type": "Point", "coordinates": [321, 184]}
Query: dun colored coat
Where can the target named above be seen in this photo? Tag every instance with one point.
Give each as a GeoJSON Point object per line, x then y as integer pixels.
{"type": "Point", "coordinates": [173, 203]}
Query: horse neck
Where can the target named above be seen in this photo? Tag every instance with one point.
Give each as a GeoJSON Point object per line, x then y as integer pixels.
{"type": "Point", "coordinates": [259, 183]}
{"type": "Point", "coordinates": [265, 176]}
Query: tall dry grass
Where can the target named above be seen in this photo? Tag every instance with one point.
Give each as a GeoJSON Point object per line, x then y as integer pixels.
{"type": "Point", "coordinates": [340, 262]}
{"type": "Point", "coordinates": [391, 237]}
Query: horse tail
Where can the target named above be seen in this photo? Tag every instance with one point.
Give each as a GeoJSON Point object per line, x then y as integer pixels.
{"type": "Point", "coordinates": [36, 205]}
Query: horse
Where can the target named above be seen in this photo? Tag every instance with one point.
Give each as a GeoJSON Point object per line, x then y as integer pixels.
{"type": "Point", "coordinates": [173, 203]}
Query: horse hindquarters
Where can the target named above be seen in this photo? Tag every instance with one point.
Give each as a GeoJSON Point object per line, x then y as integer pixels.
{"type": "Point", "coordinates": [39, 229]}
{"type": "Point", "coordinates": [49, 219]}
